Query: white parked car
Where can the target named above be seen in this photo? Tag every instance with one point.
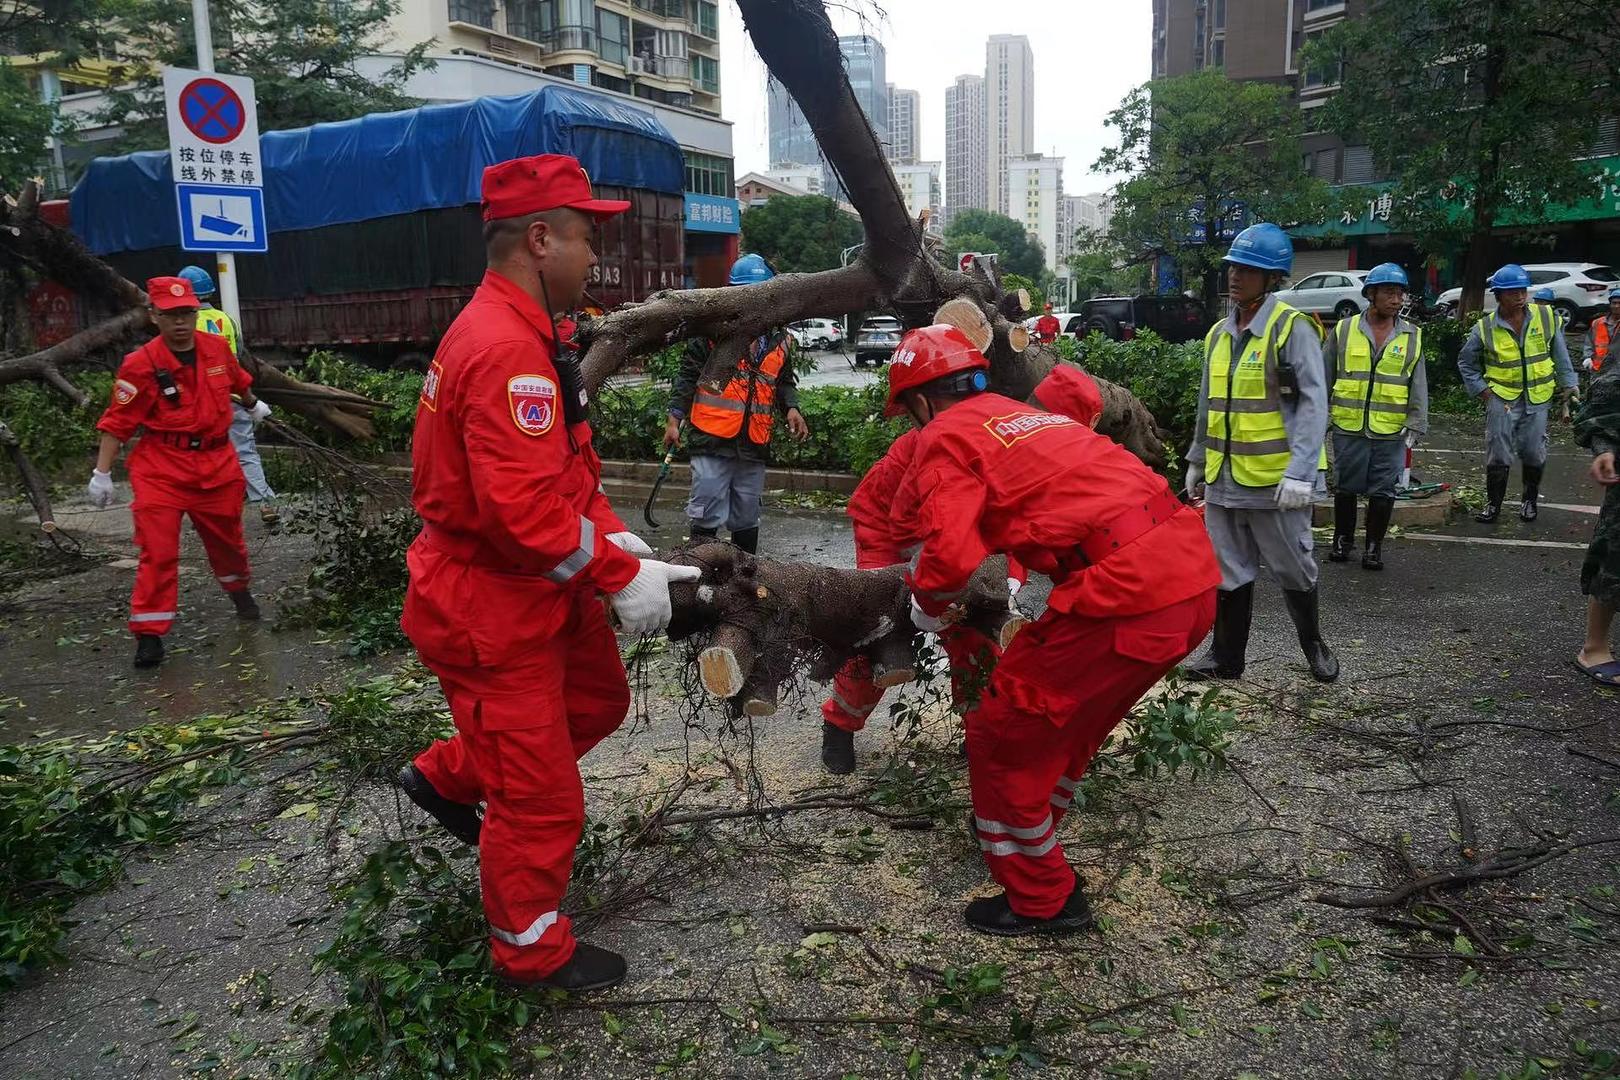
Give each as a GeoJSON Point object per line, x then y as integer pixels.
{"type": "Point", "coordinates": [1331, 293]}
{"type": "Point", "coordinates": [1580, 290]}
{"type": "Point", "coordinates": [816, 333]}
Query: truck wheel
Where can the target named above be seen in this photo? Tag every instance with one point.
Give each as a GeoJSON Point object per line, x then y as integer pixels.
{"type": "Point", "coordinates": [1104, 325]}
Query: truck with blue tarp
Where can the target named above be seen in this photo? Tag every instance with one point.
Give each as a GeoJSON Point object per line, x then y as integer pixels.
{"type": "Point", "coordinates": [374, 223]}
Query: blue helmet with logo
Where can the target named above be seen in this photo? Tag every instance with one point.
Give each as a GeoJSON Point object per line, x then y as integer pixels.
{"type": "Point", "coordinates": [1385, 274]}
{"type": "Point", "coordinates": [1264, 246]}
{"type": "Point", "coordinates": [1543, 294]}
{"type": "Point", "coordinates": [1511, 276]}
{"type": "Point", "coordinates": [201, 282]}
{"type": "Point", "coordinates": [751, 270]}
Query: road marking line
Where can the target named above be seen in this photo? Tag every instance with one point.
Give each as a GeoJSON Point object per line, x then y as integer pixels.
{"type": "Point", "coordinates": [1495, 540]}
{"type": "Point", "coordinates": [1576, 507]}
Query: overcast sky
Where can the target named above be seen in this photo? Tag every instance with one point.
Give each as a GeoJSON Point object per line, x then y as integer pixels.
{"type": "Point", "coordinates": [1088, 54]}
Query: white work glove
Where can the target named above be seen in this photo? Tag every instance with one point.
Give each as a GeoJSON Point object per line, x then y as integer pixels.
{"type": "Point", "coordinates": [260, 410]}
{"type": "Point", "coordinates": [629, 541]}
{"type": "Point", "coordinates": [1195, 479]}
{"type": "Point", "coordinates": [100, 488]}
{"type": "Point", "coordinates": [1411, 438]}
{"type": "Point", "coordinates": [1295, 494]}
{"type": "Point", "coordinates": [1013, 586]}
{"type": "Point", "coordinates": [923, 621]}
{"type": "Point", "coordinates": [643, 605]}
{"type": "Point", "coordinates": [1587, 363]}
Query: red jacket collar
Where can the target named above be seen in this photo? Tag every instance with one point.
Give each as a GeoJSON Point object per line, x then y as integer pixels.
{"type": "Point", "coordinates": [506, 290]}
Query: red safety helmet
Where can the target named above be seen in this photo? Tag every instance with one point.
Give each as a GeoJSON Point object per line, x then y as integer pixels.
{"type": "Point", "coordinates": [929, 353]}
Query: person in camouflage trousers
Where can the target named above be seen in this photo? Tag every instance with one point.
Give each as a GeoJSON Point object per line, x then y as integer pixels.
{"type": "Point", "coordinates": [1598, 429]}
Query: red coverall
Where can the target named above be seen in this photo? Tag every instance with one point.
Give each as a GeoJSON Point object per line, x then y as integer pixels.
{"type": "Point", "coordinates": [880, 543]}
{"type": "Point", "coordinates": [1134, 592]}
{"type": "Point", "coordinates": [503, 606]}
{"type": "Point", "coordinates": [1047, 328]}
{"type": "Point", "coordinates": [183, 464]}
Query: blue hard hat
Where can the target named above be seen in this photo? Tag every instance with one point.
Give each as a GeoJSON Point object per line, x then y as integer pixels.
{"type": "Point", "coordinates": [1614, 294]}
{"type": "Point", "coordinates": [1264, 246]}
{"type": "Point", "coordinates": [1544, 294]}
{"type": "Point", "coordinates": [201, 283]}
{"type": "Point", "coordinates": [1511, 276]}
{"type": "Point", "coordinates": [1385, 274]}
{"type": "Point", "coordinates": [751, 270]}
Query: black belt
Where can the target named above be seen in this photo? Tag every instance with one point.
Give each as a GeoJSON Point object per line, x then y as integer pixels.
{"type": "Point", "coordinates": [185, 440]}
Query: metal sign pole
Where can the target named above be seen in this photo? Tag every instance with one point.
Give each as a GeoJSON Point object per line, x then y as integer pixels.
{"type": "Point", "coordinates": [224, 261]}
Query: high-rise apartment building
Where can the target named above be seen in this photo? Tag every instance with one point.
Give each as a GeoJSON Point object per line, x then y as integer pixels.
{"type": "Point", "coordinates": [791, 140]}
{"type": "Point", "coordinates": [1035, 200]}
{"type": "Point", "coordinates": [919, 184]}
{"type": "Point", "coordinates": [1009, 93]}
{"type": "Point", "coordinates": [1262, 40]}
{"type": "Point", "coordinates": [905, 116]}
{"type": "Point", "coordinates": [966, 150]}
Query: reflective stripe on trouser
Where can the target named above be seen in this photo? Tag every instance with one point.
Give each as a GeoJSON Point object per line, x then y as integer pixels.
{"type": "Point", "coordinates": [247, 455]}
{"type": "Point", "coordinates": [520, 730]}
{"type": "Point", "coordinates": [854, 698]}
{"type": "Point", "coordinates": [1243, 539]}
{"type": "Point", "coordinates": [217, 517]}
{"type": "Point", "coordinates": [1515, 430]}
{"type": "Point", "coordinates": [1057, 692]}
{"type": "Point", "coordinates": [726, 491]}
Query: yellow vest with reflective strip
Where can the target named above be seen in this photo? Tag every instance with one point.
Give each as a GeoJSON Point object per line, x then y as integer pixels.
{"type": "Point", "coordinates": [211, 320]}
{"type": "Point", "coordinates": [1510, 374]}
{"type": "Point", "coordinates": [1368, 397]}
{"type": "Point", "coordinates": [1244, 409]}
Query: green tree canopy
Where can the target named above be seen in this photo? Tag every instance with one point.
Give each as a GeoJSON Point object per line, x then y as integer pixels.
{"type": "Point", "coordinates": [25, 124]}
{"type": "Point", "coordinates": [800, 233]}
{"type": "Point", "coordinates": [300, 54]}
{"type": "Point", "coordinates": [1101, 267]}
{"type": "Point", "coordinates": [1204, 155]}
{"type": "Point", "coordinates": [986, 232]}
{"type": "Point", "coordinates": [1476, 109]}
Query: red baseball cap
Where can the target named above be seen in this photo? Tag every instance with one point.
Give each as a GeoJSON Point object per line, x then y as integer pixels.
{"type": "Point", "coordinates": [169, 293]}
{"type": "Point", "coordinates": [529, 185]}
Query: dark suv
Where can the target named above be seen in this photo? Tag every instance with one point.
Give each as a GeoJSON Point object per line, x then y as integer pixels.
{"type": "Point", "coordinates": [1174, 318]}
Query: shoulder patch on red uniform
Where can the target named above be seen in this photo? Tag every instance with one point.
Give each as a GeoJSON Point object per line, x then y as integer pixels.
{"type": "Point", "coordinates": [1015, 427]}
{"type": "Point", "coordinates": [534, 403]}
{"type": "Point", "coordinates": [124, 392]}
{"type": "Point", "coordinates": [430, 386]}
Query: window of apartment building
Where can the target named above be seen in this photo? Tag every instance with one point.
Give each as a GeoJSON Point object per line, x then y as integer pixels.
{"type": "Point", "coordinates": [476, 12]}
{"type": "Point", "coordinates": [707, 174]}
{"type": "Point", "coordinates": [554, 24]}
{"type": "Point", "coordinates": [612, 37]}
{"type": "Point", "coordinates": [1217, 53]}
{"type": "Point", "coordinates": [706, 72]}
{"type": "Point", "coordinates": [1318, 5]}
{"type": "Point", "coordinates": [1220, 14]}
{"type": "Point", "coordinates": [707, 19]}
{"type": "Point", "coordinates": [1313, 76]}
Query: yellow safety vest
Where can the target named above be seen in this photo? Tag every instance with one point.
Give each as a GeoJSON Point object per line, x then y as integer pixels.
{"type": "Point", "coordinates": [1244, 409]}
{"type": "Point", "coordinates": [1507, 372]}
{"type": "Point", "coordinates": [1372, 398]}
{"type": "Point", "coordinates": [211, 320]}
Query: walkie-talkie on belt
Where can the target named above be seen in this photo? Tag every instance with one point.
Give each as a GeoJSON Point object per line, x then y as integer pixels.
{"type": "Point", "coordinates": [166, 386]}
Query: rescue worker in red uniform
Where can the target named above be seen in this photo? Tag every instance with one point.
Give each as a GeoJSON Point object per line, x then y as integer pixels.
{"type": "Point", "coordinates": [878, 544]}
{"type": "Point", "coordinates": [518, 545]}
{"type": "Point", "coordinates": [1047, 327]}
{"type": "Point", "coordinates": [1134, 582]}
{"type": "Point", "coordinates": [175, 391]}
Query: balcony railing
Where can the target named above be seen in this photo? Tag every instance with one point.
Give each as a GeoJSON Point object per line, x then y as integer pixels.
{"type": "Point", "coordinates": [475, 12]}
{"type": "Point", "coordinates": [557, 39]}
{"type": "Point", "coordinates": [667, 67]}
{"type": "Point", "coordinates": [664, 9]}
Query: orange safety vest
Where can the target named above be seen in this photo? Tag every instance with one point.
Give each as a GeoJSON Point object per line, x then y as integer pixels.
{"type": "Point", "coordinates": [1600, 343]}
{"type": "Point", "coordinates": [751, 393]}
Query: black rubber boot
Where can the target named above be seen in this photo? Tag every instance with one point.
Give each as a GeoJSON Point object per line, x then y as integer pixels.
{"type": "Point", "coordinates": [246, 606]}
{"type": "Point", "coordinates": [747, 539]}
{"type": "Point", "coordinates": [994, 915]}
{"type": "Point", "coordinates": [1344, 528]}
{"type": "Point", "coordinates": [1528, 510]}
{"type": "Point", "coordinates": [1378, 515]}
{"type": "Point", "coordinates": [1496, 482]}
{"type": "Point", "coordinates": [1234, 611]}
{"type": "Point", "coordinates": [699, 534]}
{"type": "Point", "coordinates": [459, 819]}
{"type": "Point", "coordinates": [148, 650]}
{"type": "Point", "coordinates": [1304, 608]}
{"type": "Point", "coordinates": [590, 968]}
{"type": "Point", "coordinates": [837, 749]}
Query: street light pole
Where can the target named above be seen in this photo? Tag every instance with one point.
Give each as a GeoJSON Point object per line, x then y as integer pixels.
{"type": "Point", "coordinates": [224, 261]}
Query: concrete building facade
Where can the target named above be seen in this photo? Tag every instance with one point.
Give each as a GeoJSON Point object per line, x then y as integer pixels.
{"type": "Point", "coordinates": [1009, 90]}
{"type": "Point", "coordinates": [919, 183]}
{"type": "Point", "coordinates": [1035, 199]}
{"type": "Point", "coordinates": [966, 148]}
{"type": "Point", "coordinates": [905, 119]}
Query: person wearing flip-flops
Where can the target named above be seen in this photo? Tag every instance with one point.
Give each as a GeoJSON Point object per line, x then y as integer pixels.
{"type": "Point", "coordinates": [1598, 429]}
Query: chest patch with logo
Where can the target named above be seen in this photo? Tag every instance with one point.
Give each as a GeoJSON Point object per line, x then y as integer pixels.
{"type": "Point", "coordinates": [430, 386]}
{"type": "Point", "coordinates": [1019, 426]}
{"type": "Point", "coordinates": [124, 392]}
{"type": "Point", "coordinates": [534, 403]}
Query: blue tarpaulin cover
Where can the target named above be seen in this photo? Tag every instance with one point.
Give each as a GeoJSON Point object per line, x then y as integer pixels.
{"type": "Point", "coordinates": [389, 163]}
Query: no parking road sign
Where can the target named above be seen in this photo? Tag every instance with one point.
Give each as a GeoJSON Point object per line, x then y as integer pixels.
{"type": "Point", "coordinates": [214, 154]}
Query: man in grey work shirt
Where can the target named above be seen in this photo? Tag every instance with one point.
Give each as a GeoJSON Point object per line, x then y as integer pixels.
{"type": "Point", "coordinates": [1511, 362]}
{"type": "Point", "coordinates": [1266, 360]}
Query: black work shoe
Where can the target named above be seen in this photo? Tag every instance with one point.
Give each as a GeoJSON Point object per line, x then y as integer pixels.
{"type": "Point", "coordinates": [459, 819]}
{"type": "Point", "coordinates": [1528, 508]}
{"type": "Point", "coordinates": [148, 650]}
{"type": "Point", "coordinates": [1373, 557]}
{"type": "Point", "coordinates": [1340, 551]}
{"type": "Point", "coordinates": [837, 749]}
{"type": "Point", "coordinates": [246, 606]}
{"type": "Point", "coordinates": [1496, 482]}
{"type": "Point", "coordinates": [994, 915]}
{"type": "Point", "coordinates": [1303, 608]}
{"type": "Point", "coordinates": [590, 968]}
{"type": "Point", "coordinates": [1234, 611]}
